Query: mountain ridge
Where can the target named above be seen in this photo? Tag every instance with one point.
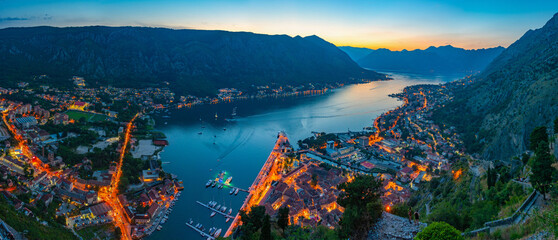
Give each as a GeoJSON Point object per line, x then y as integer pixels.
{"type": "Point", "coordinates": [517, 92]}
{"type": "Point", "coordinates": [442, 59]}
{"type": "Point", "coordinates": [192, 61]}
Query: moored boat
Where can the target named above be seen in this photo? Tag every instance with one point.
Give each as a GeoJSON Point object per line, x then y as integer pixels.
{"type": "Point", "coordinates": [218, 233]}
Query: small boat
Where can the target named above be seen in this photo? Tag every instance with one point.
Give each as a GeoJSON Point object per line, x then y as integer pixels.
{"type": "Point", "coordinates": [214, 183]}
{"type": "Point", "coordinates": [220, 186]}
{"type": "Point", "coordinates": [191, 221]}
{"type": "Point", "coordinates": [228, 219]}
{"type": "Point", "coordinates": [236, 191]}
{"type": "Point", "coordinates": [200, 133]}
{"type": "Point", "coordinates": [216, 116]}
{"type": "Point", "coordinates": [197, 225]}
{"type": "Point", "coordinates": [223, 209]}
{"type": "Point", "coordinates": [218, 207]}
{"type": "Point", "coordinates": [224, 129]}
{"type": "Point", "coordinates": [212, 214]}
{"type": "Point", "coordinates": [159, 228]}
{"type": "Point", "coordinates": [230, 211]}
{"type": "Point", "coordinates": [218, 233]}
{"type": "Point", "coordinates": [208, 183]}
{"type": "Point", "coordinates": [228, 180]}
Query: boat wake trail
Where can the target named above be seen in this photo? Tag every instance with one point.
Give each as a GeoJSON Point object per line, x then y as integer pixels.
{"type": "Point", "coordinates": [239, 140]}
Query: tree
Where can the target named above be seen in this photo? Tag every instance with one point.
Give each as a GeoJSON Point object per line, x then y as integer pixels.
{"type": "Point", "coordinates": [525, 158]}
{"type": "Point", "coordinates": [541, 175]}
{"type": "Point", "coordinates": [491, 176]}
{"type": "Point", "coordinates": [538, 135]}
{"type": "Point", "coordinates": [252, 221]}
{"type": "Point", "coordinates": [314, 180]}
{"type": "Point", "coordinates": [361, 200]}
{"type": "Point", "coordinates": [266, 229]}
{"type": "Point", "coordinates": [283, 218]}
{"type": "Point", "coordinates": [556, 125]}
{"type": "Point", "coordinates": [439, 231]}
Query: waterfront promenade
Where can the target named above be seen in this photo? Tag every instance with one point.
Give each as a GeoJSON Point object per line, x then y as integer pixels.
{"type": "Point", "coordinates": [263, 180]}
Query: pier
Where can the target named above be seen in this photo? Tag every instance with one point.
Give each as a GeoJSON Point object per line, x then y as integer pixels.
{"type": "Point", "coordinates": [228, 185]}
{"type": "Point", "coordinates": [204, 234]}
{"type": "Point", "coordinates": [215, 210]}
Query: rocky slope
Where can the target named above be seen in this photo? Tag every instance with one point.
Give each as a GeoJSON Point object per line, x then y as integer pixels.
{"type": "Point", "coordinates": [517, 92]}
{"type": "Point", "coordinates": [192, 61]}
{"type": "Point", "coordinates": [444, 59]}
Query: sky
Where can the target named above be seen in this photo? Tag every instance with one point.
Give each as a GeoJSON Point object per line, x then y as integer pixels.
{"type": "Point", "coordinates": [392, 24]}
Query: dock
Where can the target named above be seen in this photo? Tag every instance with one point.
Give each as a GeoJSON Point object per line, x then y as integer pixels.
{"type": "Point", "coordinates": [215, 210]}
{"type": "Point", "coordinates": [228, 185]}
{"type": "Point", "coordinates": [204, 234]}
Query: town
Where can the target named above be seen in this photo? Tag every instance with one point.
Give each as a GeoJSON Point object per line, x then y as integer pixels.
{"type": "Point", "coordinates": [402, 148]}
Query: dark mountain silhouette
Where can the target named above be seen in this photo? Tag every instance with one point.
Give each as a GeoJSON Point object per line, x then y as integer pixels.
{"type": "Point", "coordinates": [517, 92]}
{"type": "Point", "coordinates": [444, 59]}
{"type": "Point", "coordinates": [192, 61]}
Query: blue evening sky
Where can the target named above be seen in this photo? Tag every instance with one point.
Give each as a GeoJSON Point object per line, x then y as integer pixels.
{"type": "Point", "coordinates": [393, 24]}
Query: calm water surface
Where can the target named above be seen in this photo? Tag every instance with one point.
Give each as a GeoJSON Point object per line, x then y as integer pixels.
{"type": "Point", "coordinates": [244, 146]}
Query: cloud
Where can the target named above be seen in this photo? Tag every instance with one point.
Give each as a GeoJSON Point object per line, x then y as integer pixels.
{"type": "Point", "coordinates": [9, 19]}
{"type": "Point", "coordinates": [45, 17]}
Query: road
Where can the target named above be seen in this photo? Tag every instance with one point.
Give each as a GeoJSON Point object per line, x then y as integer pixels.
{"type": "Point", "coordinates": [110, 194]}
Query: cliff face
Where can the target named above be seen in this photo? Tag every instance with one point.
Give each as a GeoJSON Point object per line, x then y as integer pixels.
{"type": "Point", "coordinates": [444, 59]}
{"type": "Point", "coordinates": [517, 92]}
{"type": "Point", "coordinates": [193, 61]}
